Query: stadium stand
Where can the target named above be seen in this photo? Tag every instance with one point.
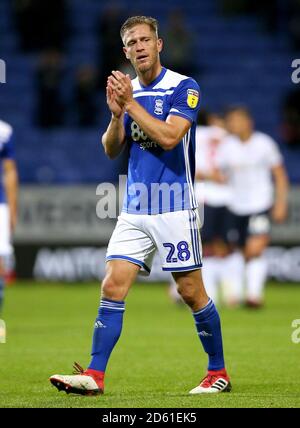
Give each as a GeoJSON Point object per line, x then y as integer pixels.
{"type": "Point", "coordinates": [237, 60]}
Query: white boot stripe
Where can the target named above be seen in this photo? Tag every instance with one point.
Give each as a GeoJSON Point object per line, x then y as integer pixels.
{"type": "Point", "coordinates": [220, 382]}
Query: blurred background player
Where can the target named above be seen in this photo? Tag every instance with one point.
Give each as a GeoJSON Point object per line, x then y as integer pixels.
{"type": "Point", "coordinates": [254, 170]}
{"type": "Point", "coordinates": [8, 198]}
{"type": "Point", "coordinates": [213, 195]}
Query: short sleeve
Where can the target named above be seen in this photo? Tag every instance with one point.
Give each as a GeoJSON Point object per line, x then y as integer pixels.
{"type": "Point", "coordinates": [8, 151]}
{"type": "Point", "coordinates": [186, 100]}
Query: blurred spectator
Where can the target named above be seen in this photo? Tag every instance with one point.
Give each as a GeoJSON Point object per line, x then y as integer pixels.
{"type": "Point", "coordinates": [41, 24]}
{"type": "Point", "coordinates": [109, 42]}
{"type": "Point", "coordinates": [50, 111]}
{"type": "Point", "coordinates": [178, 44]}
{"type": "Point", "coordinates": [25, 20]}
{"type": "Point", "coordinates": [294, 23]}
{"type": "Point", "coordinates": [267, 10]}
{"type": "Point", "coordinates": [85, 96]}
{"type": "Point", "coordinates": [234, 6]}
{"type": "Point", "coordinates": [291, 119]}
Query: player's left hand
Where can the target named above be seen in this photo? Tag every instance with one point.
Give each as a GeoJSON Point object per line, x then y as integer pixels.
{"type": "Point", "coordinates": [121, 85]}
{"type": "Point", "coordinates": [279, 212]}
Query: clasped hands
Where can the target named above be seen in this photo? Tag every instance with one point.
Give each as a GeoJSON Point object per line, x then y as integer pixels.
{"type": "Point", "coordinates": [119, 89]}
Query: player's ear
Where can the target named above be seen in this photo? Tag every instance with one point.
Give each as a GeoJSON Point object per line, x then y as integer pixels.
{"type": "Point", "coordinates": [159, 45]}
{"type": "Point", "coordinates": [125, 52]}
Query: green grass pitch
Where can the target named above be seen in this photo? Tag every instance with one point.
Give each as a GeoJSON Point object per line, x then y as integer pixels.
{"type": "Point", "coordinates": [158, 358]}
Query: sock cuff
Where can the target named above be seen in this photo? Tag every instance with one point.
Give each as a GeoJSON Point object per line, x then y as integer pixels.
{"type": "Point", "coordinates": [111, 304]}
{"type": "Point", "coordinates": [205, 312]}
{"type": "Point", "coordinates": [97, 374]}
{"type": "Point", "coordinates": [209, 304]}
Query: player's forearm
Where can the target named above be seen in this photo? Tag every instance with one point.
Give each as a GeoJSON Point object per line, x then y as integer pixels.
{"type": "Point", "coordinates": [157, 130]}
{"type": "Point", "coordinates": [199, 176]}
{"type": "Point", "coordinates": [214, 175]}
{"type": "Point", "coordinates": [113, 139]}
{"type": "Point", "coordinates": [281, 185]}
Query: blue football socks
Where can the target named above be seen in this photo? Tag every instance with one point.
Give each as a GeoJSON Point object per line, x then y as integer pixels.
{"type": "Point", "coordinates": [208, 327]}
{"type": "Point", "coordinates": [108, 327]}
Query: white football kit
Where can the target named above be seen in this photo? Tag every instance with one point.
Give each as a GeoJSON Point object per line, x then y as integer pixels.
{"type": "Point", "coordinates": [209, 141]}
{"type": "Point", "coordinates": [248, 166]}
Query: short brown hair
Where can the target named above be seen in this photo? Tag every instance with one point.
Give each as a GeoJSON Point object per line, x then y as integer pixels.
{"type": "Point", "coordinates": [240, 108]}
{"type": "Point", "coordinates": [136, 20]}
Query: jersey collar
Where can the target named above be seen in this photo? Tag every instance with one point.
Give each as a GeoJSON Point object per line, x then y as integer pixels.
{"type": "Point", "coordinates": [156, 80]}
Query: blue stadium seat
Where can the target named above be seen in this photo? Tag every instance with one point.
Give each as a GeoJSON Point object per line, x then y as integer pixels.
{"type": "Point", "coordinates": [237, 63]}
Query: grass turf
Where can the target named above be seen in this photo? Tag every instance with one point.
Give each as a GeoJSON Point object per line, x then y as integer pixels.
{"type": "Point", "coordinates": [158, 358]}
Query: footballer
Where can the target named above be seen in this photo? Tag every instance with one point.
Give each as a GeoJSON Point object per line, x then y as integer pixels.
{"type": "Point", "coordinates": [154, 117]}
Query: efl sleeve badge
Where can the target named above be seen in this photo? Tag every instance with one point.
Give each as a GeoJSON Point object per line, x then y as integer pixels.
{"type": "Point", "coordinates": [192, 98]}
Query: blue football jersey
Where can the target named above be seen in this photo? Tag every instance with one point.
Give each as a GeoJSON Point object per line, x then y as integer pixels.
{"type": "Point", "coordinates": [162, 180]}
{"type": "Point", "coordinates": [6, 152]}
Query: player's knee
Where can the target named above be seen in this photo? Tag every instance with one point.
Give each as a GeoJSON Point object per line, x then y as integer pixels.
{"type": "Point", "coordinates": [192, 292]}
{"type": "Point", "coordinates": [113, 289]}
{"type": "Point", "coordinates": [109, 287]}
{"type": "Point", "coordinates": [187, 291]}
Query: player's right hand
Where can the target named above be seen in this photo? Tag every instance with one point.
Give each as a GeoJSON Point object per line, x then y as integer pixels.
{"type": "Point", "coordinates": [116, 110]}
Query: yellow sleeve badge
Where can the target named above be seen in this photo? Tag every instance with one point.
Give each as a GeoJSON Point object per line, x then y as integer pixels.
{"type": "Point", "coordinates": [192, 98]}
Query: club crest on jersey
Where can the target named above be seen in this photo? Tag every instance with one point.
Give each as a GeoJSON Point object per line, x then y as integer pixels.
{"type": "Point", "coordinates": [158, 107]}
{"type": "Point", "coordinates": [192, 98]}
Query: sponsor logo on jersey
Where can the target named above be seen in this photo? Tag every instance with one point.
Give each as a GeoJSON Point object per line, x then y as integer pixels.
{"type": "Point", "coordinates": [148, 145]}
{"type": "Point", "coordinates": [137, 134]}
{"type": "Point", "coordinates": [158, 107]}
{"type": "Point", "coordinates": [192, 98]}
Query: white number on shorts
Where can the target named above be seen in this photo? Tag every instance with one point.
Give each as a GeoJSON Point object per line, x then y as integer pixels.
{"type": "Point", "coordinates": [183, 253]}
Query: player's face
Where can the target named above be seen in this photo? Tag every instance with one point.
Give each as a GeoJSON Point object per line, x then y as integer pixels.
{"type": "Point", "coordinates": [238, 123]}
{"type": "Point", "coordinates": [142, 47]}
